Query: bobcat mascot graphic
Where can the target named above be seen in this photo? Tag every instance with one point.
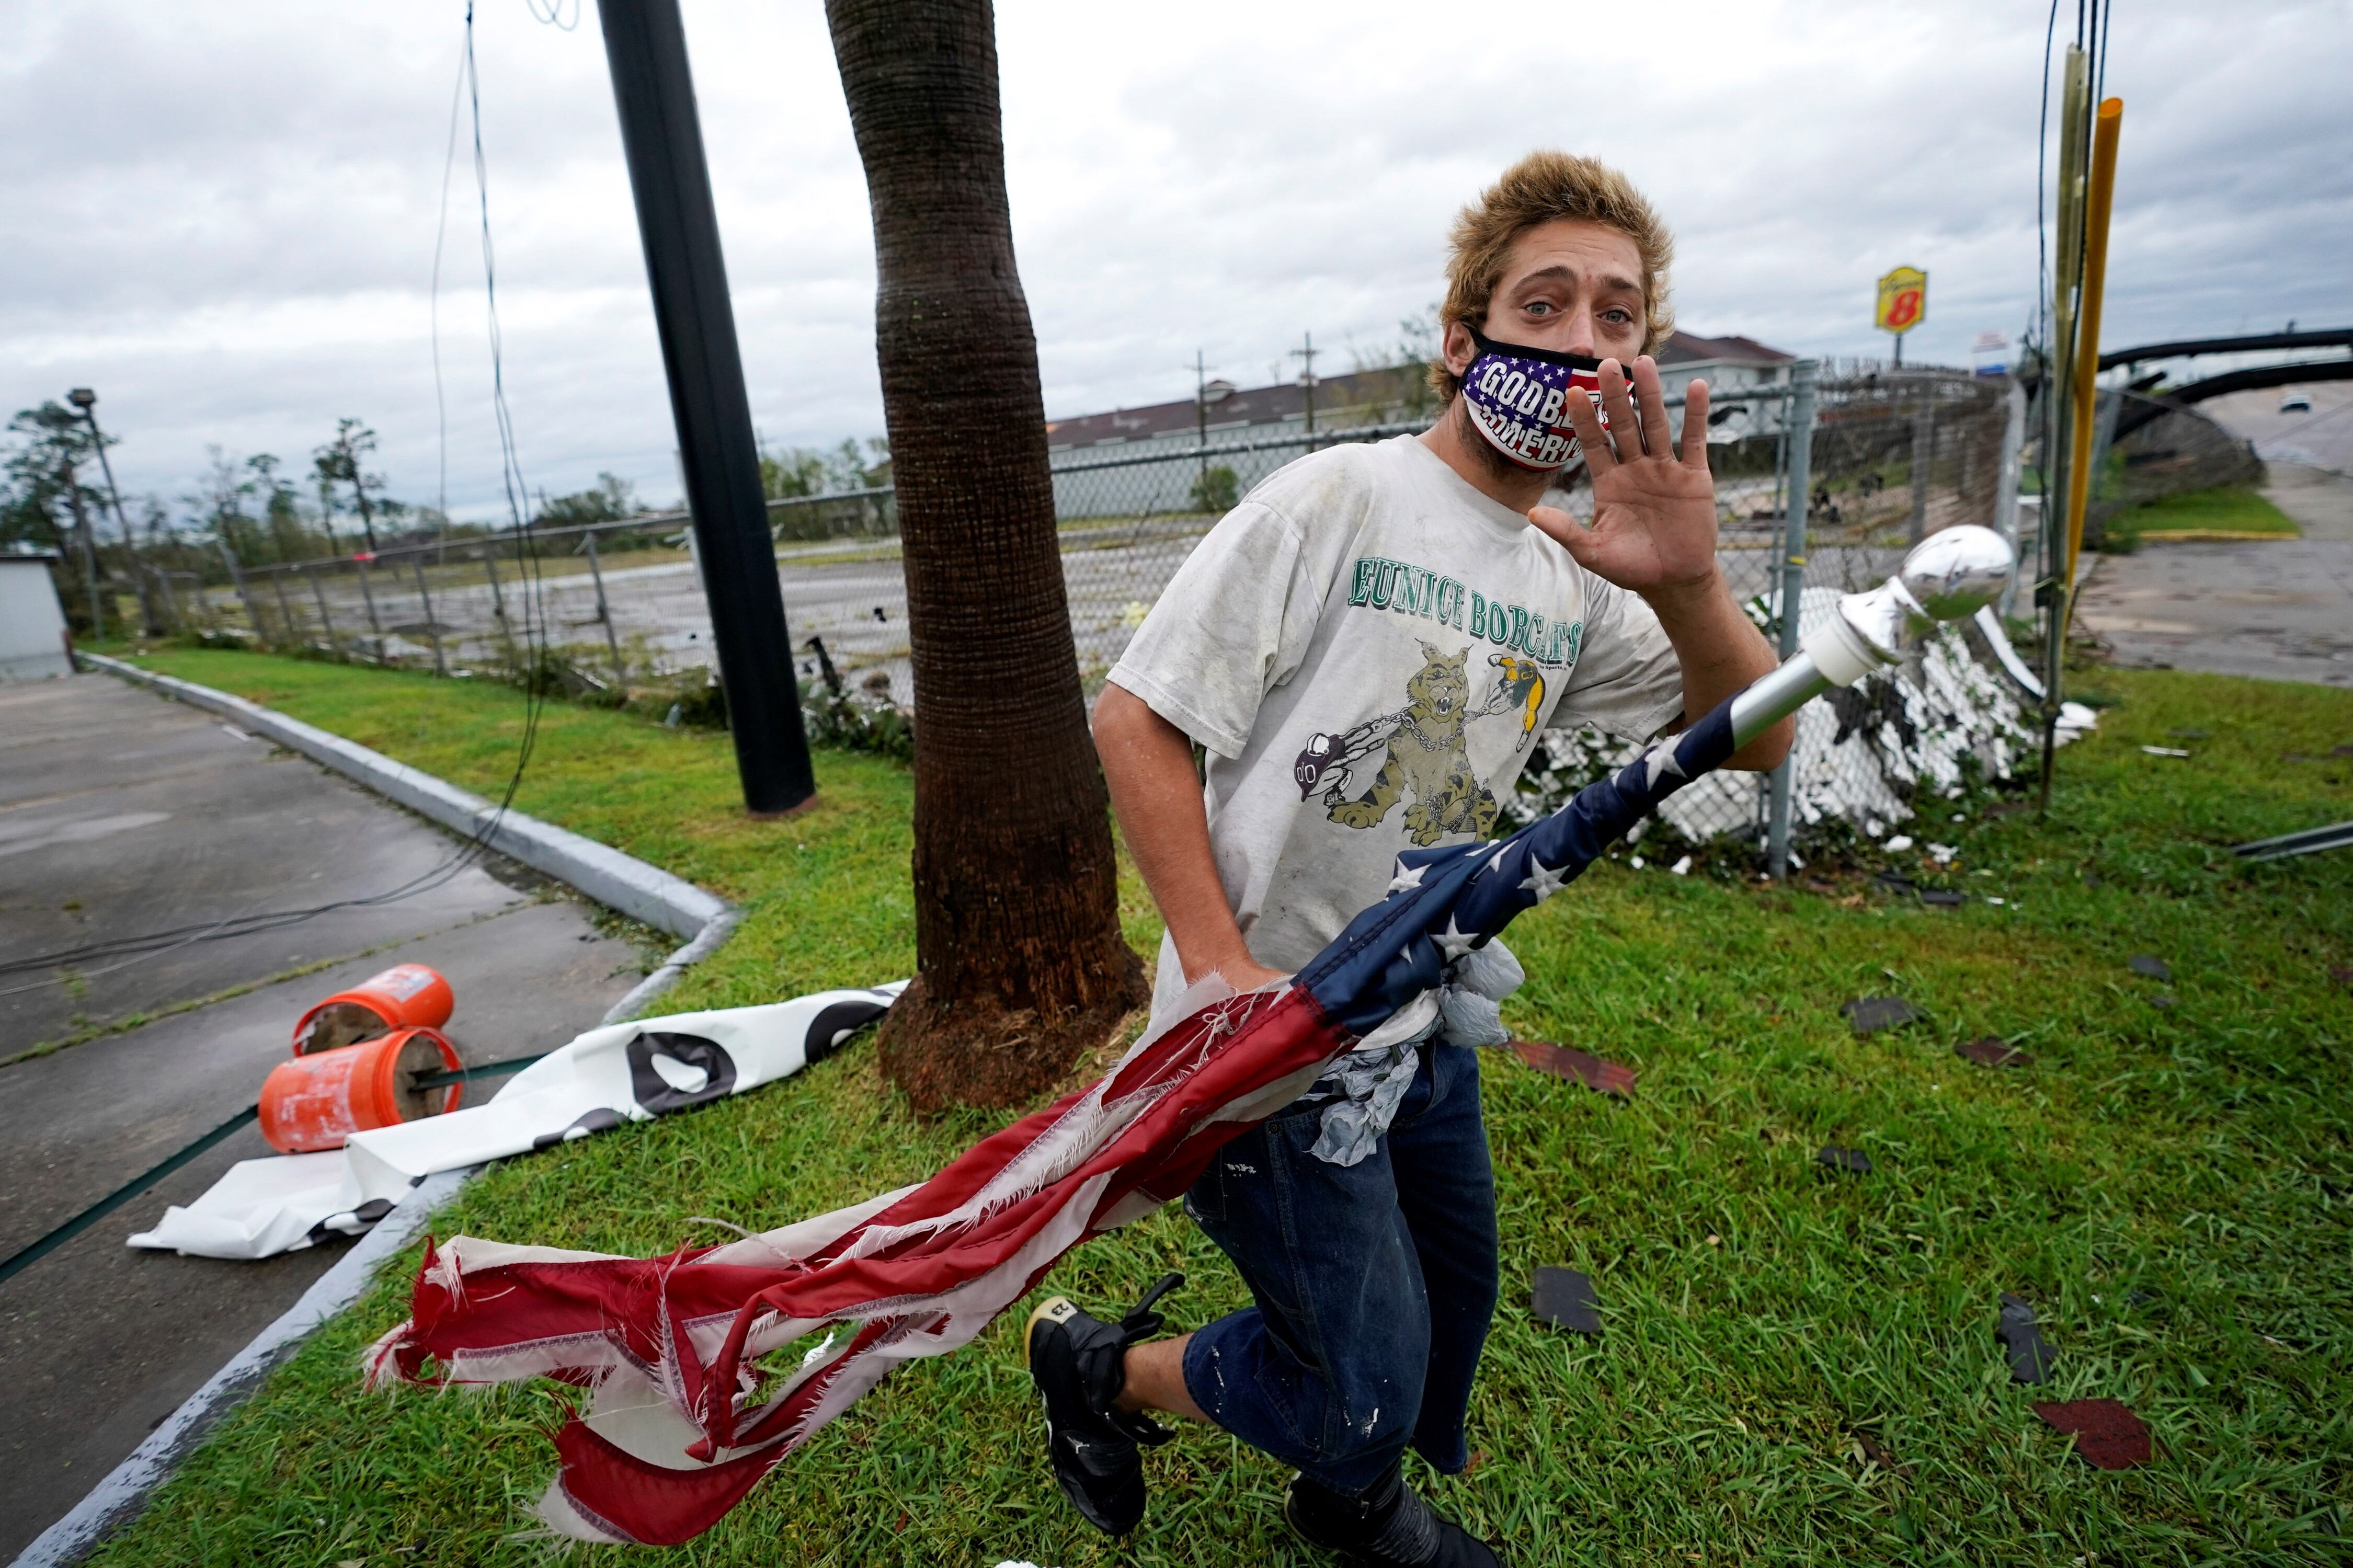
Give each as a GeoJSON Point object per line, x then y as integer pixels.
{"type": "Point", "coordinates": [1426, 758]}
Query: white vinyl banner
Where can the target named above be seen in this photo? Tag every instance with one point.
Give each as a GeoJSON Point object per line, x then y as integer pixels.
{"type": "Point", "coordinates": [611, 1074]}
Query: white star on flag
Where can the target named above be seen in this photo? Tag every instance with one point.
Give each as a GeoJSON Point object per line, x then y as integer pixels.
{"type": "Point", "coordinates": [1544, 881]}
{"type": "Point", "coordinates": [1406, 880]}
{"type": "Point", "coordinates": [1453, 942]}
{"type": "Point", "coordinates": [1662, 761]}
{"type": "Point", "coordinates": [1496, 863]}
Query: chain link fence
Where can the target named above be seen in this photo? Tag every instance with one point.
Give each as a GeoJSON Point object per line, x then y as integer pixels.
{"type": "Point", "coordinates": [1896, 456]}
{"type": "Point", "coordinates": [2151, 448]}
{"type": "Point", "coordinates": [617, 608]}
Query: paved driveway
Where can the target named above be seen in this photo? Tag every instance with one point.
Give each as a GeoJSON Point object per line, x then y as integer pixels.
{"type": "Point", "coordinates": [2278, 610]}
{"type": "Point", "coordinates": [121, 814]}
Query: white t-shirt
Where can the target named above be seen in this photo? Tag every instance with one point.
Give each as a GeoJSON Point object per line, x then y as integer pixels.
{"type": "Point", "coordinates": [1368, 647]}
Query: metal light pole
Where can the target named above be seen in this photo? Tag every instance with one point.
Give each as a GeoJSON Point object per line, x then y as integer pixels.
{"type": "Point", "coordinates": [83, 399]}
{"type": "Point", "coordinates": [644, 44]}
{"type": "Point", "coordinates": [89, 532]}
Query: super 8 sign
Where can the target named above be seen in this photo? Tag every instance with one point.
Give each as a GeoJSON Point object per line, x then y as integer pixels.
{"type": "Point", "coordinates": [1903, 299]}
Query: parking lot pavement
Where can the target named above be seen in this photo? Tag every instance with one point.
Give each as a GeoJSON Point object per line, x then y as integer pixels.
{"type": "Point", "coordinates": [122, 814]}
{"type": "Point", "coordinates": [98, 1342]}
{"type": "Point", "coordinates": [2276, 609]}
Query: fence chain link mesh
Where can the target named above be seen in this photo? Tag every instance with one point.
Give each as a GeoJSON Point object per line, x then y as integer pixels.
{"type": "Point", "coordinates": [617, 607]}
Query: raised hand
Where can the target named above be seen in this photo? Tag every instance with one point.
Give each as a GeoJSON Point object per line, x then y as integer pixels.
{"type": "Point", "coordinates": [1653, 510]}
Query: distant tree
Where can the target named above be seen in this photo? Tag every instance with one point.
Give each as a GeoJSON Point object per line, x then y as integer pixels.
{"type": "Point", "coordinates": [1020, 964]}
{"type": "Point", "coordinates": [854, 467]}
{"type": "Point", "coordinates": [281, 512]}
{"type": "Point", "coordinates": [46, 448]}
{"type": "Point", "coordinates": [1218, 490]}
{"type": "Point", "coordinates": [327, 510]}
{"type": "Point", "coordinates": [791, 471]}
{"type": "Point", "coordinates": [1394, 377]}
{"type": "Point", "coordinates": [221, 500]}
{"type": "Point", "coordinates": [612, 499]}
{"type": "Point", "coordinates": [341, 461]}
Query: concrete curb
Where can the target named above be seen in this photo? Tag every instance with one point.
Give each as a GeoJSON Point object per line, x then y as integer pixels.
{"type": "Point", "coordinates": [125, 1490]}
{"type": "Point", "coordinates": [618, 880]}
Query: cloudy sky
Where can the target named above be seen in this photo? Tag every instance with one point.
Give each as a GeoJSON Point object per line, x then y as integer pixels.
{"type": "Point", "coordinates": [223, 215]}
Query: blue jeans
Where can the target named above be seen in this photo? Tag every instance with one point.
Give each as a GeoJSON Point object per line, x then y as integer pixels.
{"type": "Point", "coordinates": [1373, 1283]}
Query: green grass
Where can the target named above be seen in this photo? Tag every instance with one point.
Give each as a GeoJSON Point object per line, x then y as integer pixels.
{"type": "Point", "coordinates": [2170, 1186]}
{"type": "Point", "coordinates": [2228, 510]}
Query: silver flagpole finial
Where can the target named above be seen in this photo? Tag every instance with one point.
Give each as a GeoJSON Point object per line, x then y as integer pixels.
{"type": "Point", "coordinates": [1949, 577]}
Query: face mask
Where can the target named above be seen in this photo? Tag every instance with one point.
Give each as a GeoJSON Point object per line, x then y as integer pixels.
{"type": "Point", "coordinates": [1518, 398]}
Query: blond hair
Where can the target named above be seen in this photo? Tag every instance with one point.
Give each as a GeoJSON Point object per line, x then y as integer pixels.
{"type": "Point", "coordinates": [1541, 188]}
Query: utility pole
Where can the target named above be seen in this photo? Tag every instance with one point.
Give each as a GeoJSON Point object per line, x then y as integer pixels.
{"type": "Point", "coordinates": [653, 89]}
{"type": "Point", "coordinates": [1308, 376]}
{"type": "Point", "coordinates": [1201, 411]}
{"type": "Point", "coordinates": [83, 399]}
{"type": "Point", "coordinates": [1201, 404]}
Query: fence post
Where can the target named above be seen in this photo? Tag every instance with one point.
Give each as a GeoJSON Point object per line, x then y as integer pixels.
{"type": "Point", "coordinates": [499, 603]}
{"type": "Point", "coordinates": [244, 594]}
{"type": "Point", "coordinates": [1800, 441]}
{"type": "Point", "coordinates": [326, 621]}
{"type": "Point", "coordinates": [88, 554]}
{"type": "Point", "coordinates": [285, 610]}
{"type": "Point", "coordinates": [2007, 482]}
{"type": "Point", "coordinates": [173, 620]}
{"type": "Point", "coordinates": [604, 614]}
{"type": "Point", "coordinates": [432, 632]}
{"type": "Point", "coordinates": [1924, 457]}
{"type": "Point", "coordinates": [367, 596]}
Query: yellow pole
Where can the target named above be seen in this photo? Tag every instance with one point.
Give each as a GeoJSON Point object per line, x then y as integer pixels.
{"type": "Point", "coordinates": [2087, 330]}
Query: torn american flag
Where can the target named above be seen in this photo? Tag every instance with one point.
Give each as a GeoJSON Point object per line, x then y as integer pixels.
{"type": "Point", "coordinates": [678, 1423]}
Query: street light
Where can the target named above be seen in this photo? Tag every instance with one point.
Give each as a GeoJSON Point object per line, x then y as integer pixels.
{"type": "Point", "coordinates": [83, 399]}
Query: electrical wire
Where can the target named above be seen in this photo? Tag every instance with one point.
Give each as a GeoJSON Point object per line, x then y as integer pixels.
{"type": "Point", "coordinates": [2100, 63]}
{"type": "Point", "coordinates": [510, 464]}
{"type": "Point", "coordinates": [433, 308]}
{"type": "Point", "coordinates": [2042, 183]}
{"type": "Point", "coordinates": [153, 944]}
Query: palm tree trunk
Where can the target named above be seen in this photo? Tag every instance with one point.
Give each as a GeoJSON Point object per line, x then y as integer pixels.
{"type": "Point", "coordinates": [1020, 963]}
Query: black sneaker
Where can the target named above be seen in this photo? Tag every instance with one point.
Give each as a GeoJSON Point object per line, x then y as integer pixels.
{"type": "Point", "coordinates": [1388, 1527]}
{"type": "Point", "coordinates": [1076, 1359]}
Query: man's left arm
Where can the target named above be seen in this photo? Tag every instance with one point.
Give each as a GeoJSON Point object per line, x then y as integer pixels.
{"type": "Point", "coordinates": [1654, 533]}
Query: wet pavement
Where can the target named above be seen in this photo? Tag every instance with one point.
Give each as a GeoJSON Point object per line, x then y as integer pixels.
{"type": "Point", "coordinates": [123, 814]}
{"type": "Point", "coordinates": [2278, 609]}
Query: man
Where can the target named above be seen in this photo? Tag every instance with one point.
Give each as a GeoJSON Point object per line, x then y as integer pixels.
{"type": "Point", "coordinates": [1364, 649]}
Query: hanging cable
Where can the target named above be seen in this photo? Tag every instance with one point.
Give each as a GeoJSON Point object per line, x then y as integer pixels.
{"type": "Point", "coordinates": [2042, 182]}
{"type": "Point", "coordinates": [2100, 62]}
{"type": "Point", "coordinates": [433, 308]}
{"type": "Point", "coordinates": [534, 672]}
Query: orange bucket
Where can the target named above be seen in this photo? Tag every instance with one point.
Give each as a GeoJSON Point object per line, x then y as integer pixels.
{"type": "Point", "coordinates": [315, 1101]}
{"type": "Point", "coordinates": [406, 996]}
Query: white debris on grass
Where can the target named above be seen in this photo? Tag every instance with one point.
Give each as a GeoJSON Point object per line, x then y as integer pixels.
{"type": "Point", "coordinates": [1897, 845]}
